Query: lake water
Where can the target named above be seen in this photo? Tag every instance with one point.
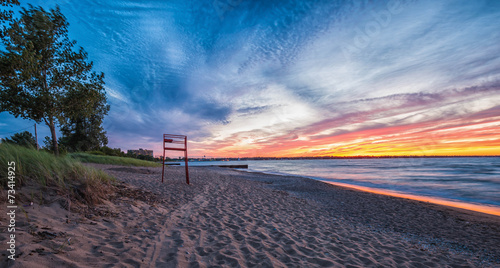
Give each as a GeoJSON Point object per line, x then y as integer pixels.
{"type": "Point", "coordinates": [474, 180]}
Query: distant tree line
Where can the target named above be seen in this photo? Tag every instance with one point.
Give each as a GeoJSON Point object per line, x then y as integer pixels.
{"type": "Point", "coordinates": [26, 139]}
{"type": "Point", "coordinates": [45, 79]}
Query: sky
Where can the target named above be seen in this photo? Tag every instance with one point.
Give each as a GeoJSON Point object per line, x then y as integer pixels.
{"type": "Point", "coordinates": [268, 78]}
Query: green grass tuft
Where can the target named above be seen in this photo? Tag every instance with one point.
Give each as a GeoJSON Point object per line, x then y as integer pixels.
{"type": "Point", "coordinates": [113, 160]}
{"type": "Point", "coordinates": [44, 168]}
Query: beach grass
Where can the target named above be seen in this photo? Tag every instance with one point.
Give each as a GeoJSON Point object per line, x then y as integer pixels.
{"type": "Point", "coordinates": [66, 174]}
{"type": "Point", "coordinates": [112, 160]}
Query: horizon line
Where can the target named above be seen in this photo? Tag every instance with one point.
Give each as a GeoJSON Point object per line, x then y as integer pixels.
{"type": "Point", "coordinates": [340, 157]}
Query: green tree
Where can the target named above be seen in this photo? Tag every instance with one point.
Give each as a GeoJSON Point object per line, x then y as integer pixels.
{"type": "Point", "coordinates": [112, 152]}
{"type": "Point", "coordinates": [49, 146]}
{"type": "Point", "coordinates": [41, 76]}
{"type": "Point", "coordinates": [25, 139]}
{"type": "Point", "coordinates": [84, 132]}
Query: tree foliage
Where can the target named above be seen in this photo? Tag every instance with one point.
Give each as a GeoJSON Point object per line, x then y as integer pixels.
{"type": "Point", "coordinates": [112, 151]}
{"type": "Point", "coordinates": [5, 14]}
{"type": "Point", "coordinates": [44, 79]}
{"type": "Point", "coordinates": [25, 139]}
{"type": "Point", "coordinates": [85, 133]}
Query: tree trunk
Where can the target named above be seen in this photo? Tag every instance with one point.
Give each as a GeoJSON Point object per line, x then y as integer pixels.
{"type": "Point", "coordinates": [52, 127]}
{"type": "Point", "coordinates": [50, 123]}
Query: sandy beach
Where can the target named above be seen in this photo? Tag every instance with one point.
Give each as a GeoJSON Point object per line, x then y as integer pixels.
{"type": "Point", "coordinates": [229, 218]}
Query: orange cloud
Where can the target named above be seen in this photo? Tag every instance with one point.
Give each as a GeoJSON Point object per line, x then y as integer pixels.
{"type": "Point", "coordinates": [429, 138]}
{"type": "Point", "coordinates": [452, 122]}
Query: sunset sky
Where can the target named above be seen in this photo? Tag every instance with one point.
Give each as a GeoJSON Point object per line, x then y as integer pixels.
{"type": "Point", "coordinates": [294, 78]}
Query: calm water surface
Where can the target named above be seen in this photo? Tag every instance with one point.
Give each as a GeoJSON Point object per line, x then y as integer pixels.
{"type": "Point", "coordinates": [474, 180]}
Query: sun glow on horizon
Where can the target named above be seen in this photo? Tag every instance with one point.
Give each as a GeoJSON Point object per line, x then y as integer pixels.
{"type": "Point", "coordinates": [467, 123]}
{"type": "Point", "coordinates": [431, 139]}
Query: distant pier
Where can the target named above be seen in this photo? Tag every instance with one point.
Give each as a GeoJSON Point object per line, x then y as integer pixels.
{"type": "Point", "coordinates": [223, 166]}
{"type": "Point", "coordinates": [230, 166]}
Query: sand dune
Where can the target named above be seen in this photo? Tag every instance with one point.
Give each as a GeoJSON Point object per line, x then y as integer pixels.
{"type": "Point", "coordinates": [227, 218]}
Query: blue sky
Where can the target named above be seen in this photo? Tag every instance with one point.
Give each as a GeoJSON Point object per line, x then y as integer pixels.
{"type": "Point", "coordinates": [250, 78]}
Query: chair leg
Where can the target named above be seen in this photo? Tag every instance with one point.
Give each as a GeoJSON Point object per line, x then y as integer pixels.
{"type": "Point", "coordinates": [186, 164]}
{"type": "Point", "coordinates": [163, 163]}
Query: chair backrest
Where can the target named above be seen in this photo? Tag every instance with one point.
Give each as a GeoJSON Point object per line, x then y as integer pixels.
{"type": "Point", "coordinates": [174, 142]}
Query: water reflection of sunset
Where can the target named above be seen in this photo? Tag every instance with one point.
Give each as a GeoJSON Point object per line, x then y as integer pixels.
{"type": "Point", "coordinates": [456, 204]}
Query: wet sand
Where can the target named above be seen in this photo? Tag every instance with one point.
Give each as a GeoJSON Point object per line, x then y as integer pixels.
{"type": "Point", "coordinates": [228, 218]}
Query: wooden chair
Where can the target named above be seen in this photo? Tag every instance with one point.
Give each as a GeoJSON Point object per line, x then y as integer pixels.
{"type": "Point", "coordinates": [175, 143]}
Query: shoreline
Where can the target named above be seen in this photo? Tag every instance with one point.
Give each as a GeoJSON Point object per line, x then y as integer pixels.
{"type": "Point", "coordinates": [231, 218]}
{"type": "Point", "coordinates": [490, 210]}
{"type": "Point", "coordinates": [450, 203]}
